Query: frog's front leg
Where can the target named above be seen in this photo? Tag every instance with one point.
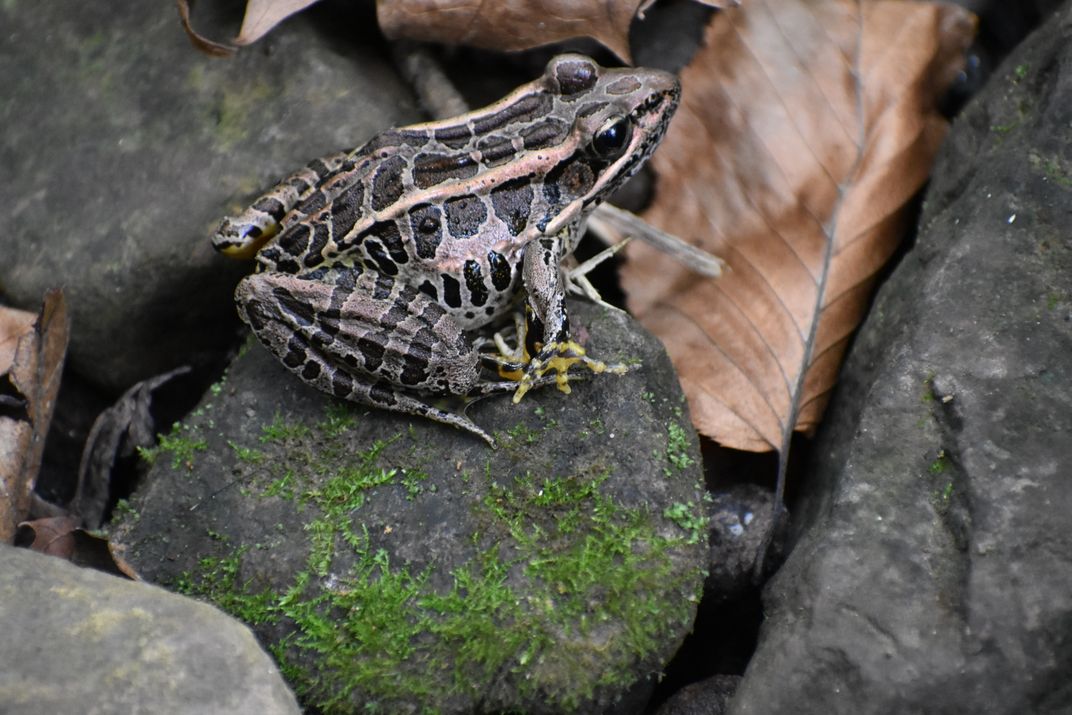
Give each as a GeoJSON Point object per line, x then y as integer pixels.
{"type": "Point", "coordinates": [241, 236]}
{"type": "Point", "coordinates": [365, 337]}
{"type": "Point", "coordinates": [546, 342]}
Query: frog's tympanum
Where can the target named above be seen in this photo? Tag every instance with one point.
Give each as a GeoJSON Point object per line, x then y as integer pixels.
{"type": "Point", "coordinates": [376, 268]}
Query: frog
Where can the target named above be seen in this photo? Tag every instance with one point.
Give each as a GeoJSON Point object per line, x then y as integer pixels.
{"type": "Point", "coordinates": [377, 269]}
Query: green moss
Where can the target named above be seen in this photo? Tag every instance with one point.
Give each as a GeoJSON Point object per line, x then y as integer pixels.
{"type": "Point", "coordinates": [123, 510]}
{"type": "Point", "coordinates": [413, 481]}
{"type": "Point", "coordinates": [1004, 129]}
{"type": "Point", "coordinates": [677, 448]}
{"type": "Point", "coordinates": [182, 443]}
{"type": "Point", "coordinates": [218, 580]}
{"type": "Point", "coordinates": [553, 563]}
{"type": "Point", "coordinates": [518, 435]}
{"type": "Point", "coordinates": [339, 419]}
{"type": "Point", "coordinates": [927, 396]}
{"type": "Point", "coordinates": [947, 493]}
{"type": "Point", "coordinates": [246, 454]}
{"type": "Point", "coordinates": [940, 463]}
{"type": "Point", "coordinates": [689, 518]}
{"type": "Point", "coordinates": [279, 431]}
{"type": "Point", "coordinates": [942, 496]}
{"type": "Point", "coordinates": [1052, 168]}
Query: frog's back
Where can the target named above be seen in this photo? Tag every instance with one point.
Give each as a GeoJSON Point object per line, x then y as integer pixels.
{"type": "Point", "coordinates": [449, 206]}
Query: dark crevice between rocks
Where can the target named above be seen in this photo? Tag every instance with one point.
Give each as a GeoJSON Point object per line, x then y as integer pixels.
{"type": "Point", "coordinates": [79, 404]}
{"type": "Point", "coordinates": [730, 615]}
{"type": "Point", "coordinates": [721, 643]}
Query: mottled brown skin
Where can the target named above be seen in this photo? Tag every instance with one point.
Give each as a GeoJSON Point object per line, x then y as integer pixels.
{"type": "Point", "coordinates": [374, 266]}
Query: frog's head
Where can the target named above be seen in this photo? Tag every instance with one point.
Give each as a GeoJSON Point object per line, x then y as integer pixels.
{"type": "Point", "coordinates": [619, 116]}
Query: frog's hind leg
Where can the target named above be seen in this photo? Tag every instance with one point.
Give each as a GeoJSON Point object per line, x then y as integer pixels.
{"type": "Point", "coordinates": [243, 235]}
{"type": "Point", "coordinates": [381, 395]}
{"type": "Point", "coordinates": [364, 337]}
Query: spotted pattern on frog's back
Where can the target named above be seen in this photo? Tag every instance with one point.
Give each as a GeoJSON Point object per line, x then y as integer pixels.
{"type": "Point", "coordinates": [451, 205]}
{"type": "Point", "coordinates": [375, 264]}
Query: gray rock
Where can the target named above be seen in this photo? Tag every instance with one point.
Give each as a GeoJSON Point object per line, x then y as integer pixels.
{"type": "Point", "coordinates": [123, 147]}
{"type": "Point", "coordinates": [706, 697]}
{"type": "Point", "coordinates": [80, 641]}
{"type": "Point", "coordinates": [740, 522]}
{"type": "Point", "coordinates": [933, 570]}
{"type": "Point", "coordinates": [397, 563]}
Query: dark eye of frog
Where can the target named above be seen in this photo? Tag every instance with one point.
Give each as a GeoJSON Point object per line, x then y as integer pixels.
{"type": "Point", "coordinates": [612, 138]}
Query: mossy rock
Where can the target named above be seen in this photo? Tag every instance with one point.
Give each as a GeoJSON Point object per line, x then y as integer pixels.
{"type": "Point", "coordinates": [397, 565]}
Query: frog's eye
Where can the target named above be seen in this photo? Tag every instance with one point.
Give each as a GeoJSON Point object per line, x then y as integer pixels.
{"type": "Point", "coordinates": [612, 138]}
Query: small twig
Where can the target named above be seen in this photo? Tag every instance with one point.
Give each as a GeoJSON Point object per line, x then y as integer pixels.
{"type": "Point", "coordinates": [436, 93]}
{"type": "Point", "coordinates": [612, 224]}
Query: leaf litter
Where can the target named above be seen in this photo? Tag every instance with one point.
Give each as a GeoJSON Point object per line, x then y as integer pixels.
{"type": "Point", "coordinates": [32, 352]}
{"type": "Point", "coordinates": [502, 26]}
{"type": "Point", "coordinates": [806, 127]}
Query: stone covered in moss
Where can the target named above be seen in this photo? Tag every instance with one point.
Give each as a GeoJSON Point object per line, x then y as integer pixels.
{"type": "Point", "coordinates": [398, 565]}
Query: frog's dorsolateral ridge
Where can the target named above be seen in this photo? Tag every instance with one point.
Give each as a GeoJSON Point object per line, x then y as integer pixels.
{"type": "Point", "coordinates": [374, 265]}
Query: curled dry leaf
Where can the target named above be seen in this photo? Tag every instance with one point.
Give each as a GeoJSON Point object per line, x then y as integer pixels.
{"type": "Point", "coordinates": [262, 15]}
{"type": "Point", "coordinates": [32, 350]}
{"type": "Point", "coordinates": [62, 537]}
{"type": "Point", "coordinates": [116, 435]}
{"type": "Point", "coordinates": [510, 25]}
{"type": "Point", "coordinates": [505, 26]}
{"type": "Point", "coordinates": [805, 128]}
{"type": "Point", "coordinates": [53, 535]}
{"type": "Point", "coordinates": [209, 47]}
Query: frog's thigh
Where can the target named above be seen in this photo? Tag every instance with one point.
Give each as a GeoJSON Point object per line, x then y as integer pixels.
{"type": "Point", "coordinates": [359, 326]}
{"type": "Point", "coordinates": [365, 339]}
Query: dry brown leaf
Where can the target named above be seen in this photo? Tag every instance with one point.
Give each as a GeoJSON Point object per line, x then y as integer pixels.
{"type": "Point", "coordinates": [53, 535]}
{"type": "Point", "coordinates": [32, 350]}
{"type": "Point", "coordinates": [805, 128]}
{"type": "Point", "coordinates": [262, 15]}
{"type": "Point", "coordinates": [62, 537]}
{"type": "Point", "coordinates": [116, 435]}
{"type": "Point", "coordinates": [209, 47]}
{"type": "Point", "coordinates": [510, 24]}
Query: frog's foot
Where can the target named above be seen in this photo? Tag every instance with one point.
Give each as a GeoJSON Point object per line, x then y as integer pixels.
{"type": "Point", "coordinates": [525, 371]}
{"type": "Point", "coordinates": [559, 357]}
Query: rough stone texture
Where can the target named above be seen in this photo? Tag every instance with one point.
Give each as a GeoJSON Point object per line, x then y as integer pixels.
{"type": "Point", "coordinates": [80, 641]}
{"type": "Point", "coordinates": [740, 524]}
{"type": "Point", "coordinates": [707, 697]}
{"type": "Point", "coordinates": [545, 576]}
{"type": "Point", "coordinates": [933, 571]}
{"type": "Point", "coordinates": [123, 147]}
